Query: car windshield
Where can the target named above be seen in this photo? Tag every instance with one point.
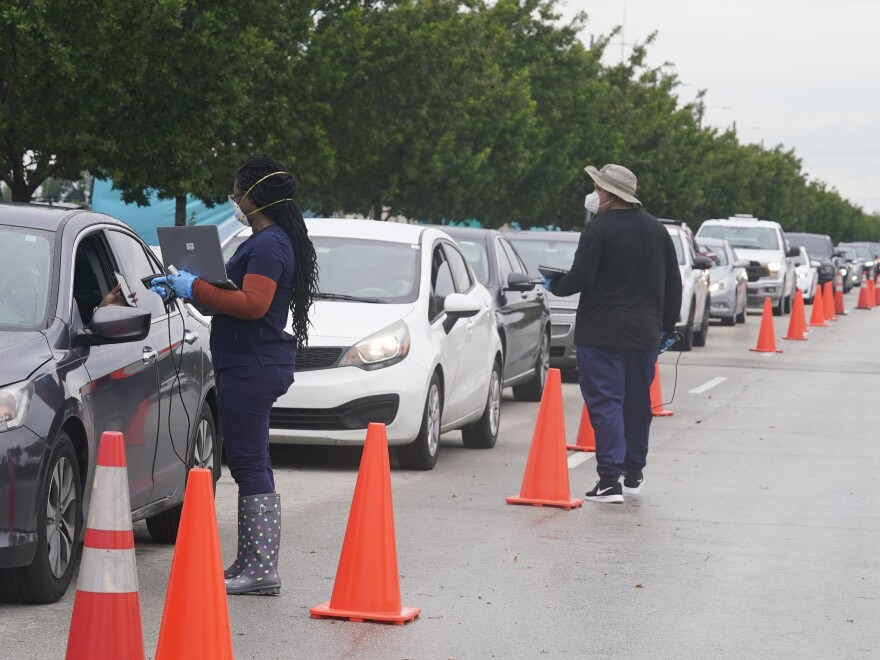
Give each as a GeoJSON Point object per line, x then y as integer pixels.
{"type": "Point", "coordinates": [367, 270]}
{"type": "Point", "coordinates": [26, 255]}
{"type": "Point", "coordinates": [817, 246]}
{"type": "Point", "coordinates": [477, 257]}
{"type": "Point", "coordinates": [862, 250]}
{"type": "Point", "coordinates": [550, 252]}
{"type": "Point", "coordinates": [756, 238]}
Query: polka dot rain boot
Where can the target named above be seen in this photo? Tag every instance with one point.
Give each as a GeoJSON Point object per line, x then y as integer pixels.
{"type": "Point", "coordinates": [259, 527]}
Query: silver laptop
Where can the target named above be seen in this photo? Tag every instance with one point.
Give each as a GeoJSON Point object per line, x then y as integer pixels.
{"type": "Point", "coordinates": [195, 249]}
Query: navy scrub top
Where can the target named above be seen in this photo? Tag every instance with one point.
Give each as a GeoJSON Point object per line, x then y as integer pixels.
{"type": "Point", "coordinates": [239, 342]}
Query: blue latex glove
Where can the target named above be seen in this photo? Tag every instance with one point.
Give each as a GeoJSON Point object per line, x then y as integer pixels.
{"type": "Point", "coordinates": [181, 284]}
{"type": "Point", "coordinates": [161, 287]}
{"type": "Point", "coordinates": [667, 339]}
{"type": "Point", "coordinates": [546, 282]}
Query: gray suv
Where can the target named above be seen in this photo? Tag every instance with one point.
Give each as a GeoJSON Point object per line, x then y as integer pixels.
{"type": "Point", "coordinates": [71, 369]}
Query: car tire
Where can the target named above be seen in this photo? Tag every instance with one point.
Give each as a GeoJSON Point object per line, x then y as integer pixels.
{"type": "Point", "coordinates": [205, 453]}
{"type": "Point", "coordinates": [422, 453]}
{"type": "Point", "coordinates": [728, 320]}
{"type": "Point", "coordinates": [701, 334]}
{"type": "Point", "coordinates": [570, 375]}
{"type": "Point", "coordinates": [779, 309]}
{"type": "Point", "coordinates": [534, 389]}
{"type": "Point", "coordinates": [483, 434]}
{"type": "Point", "coordinates": [48, 576]}
{"type": "Point", "coordinates": [686, 342]}
{"type": "Point", "coordinates": [741, 317]}
{"type": "Point", "coordinates": [789, 303]}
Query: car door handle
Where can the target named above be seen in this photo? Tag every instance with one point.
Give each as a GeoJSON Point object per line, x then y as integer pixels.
{"type": "Point", "coordinates": [150, 354]}
{"type": "Point", "coordinates": [190, 336]}
{"type": "Point", "coordinates": [539, 294]}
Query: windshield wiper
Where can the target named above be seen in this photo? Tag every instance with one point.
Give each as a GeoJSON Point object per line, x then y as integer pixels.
{"type": "Point", "coordinates": [343, 296]}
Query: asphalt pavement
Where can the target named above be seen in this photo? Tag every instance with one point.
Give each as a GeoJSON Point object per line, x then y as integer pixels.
{"type": "Point", "coordinates": [755, 535]}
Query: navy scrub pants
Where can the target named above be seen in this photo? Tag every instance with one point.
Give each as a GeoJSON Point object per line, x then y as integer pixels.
{"type": "Point", "coordinates": [244, 397]}
{"type": "Point", "coordinates": [616, 385]}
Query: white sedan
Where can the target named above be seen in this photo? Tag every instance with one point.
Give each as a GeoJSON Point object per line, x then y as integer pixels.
{"type": "Point", "coordinates": [807, 275]}
{"type": "Point", "coordinates": [402, 334]}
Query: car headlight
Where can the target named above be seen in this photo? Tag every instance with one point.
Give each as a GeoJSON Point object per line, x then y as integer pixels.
{"type": "Point", "coordinates": [382, 349]}
{"type": "Point", "coordinates": [14, 402]}
{"type": "Point", "coordinates": [774, 266]}
{"type": "Point", "coordinates": [720, 285]}
{"type": "Point", "coordinates": [802, 276]}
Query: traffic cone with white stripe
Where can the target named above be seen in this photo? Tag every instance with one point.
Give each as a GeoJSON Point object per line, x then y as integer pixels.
{"type": "Point", "coordinates": [106, 621]}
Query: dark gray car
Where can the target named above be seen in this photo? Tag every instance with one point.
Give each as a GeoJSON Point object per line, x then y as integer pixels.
{"type": "Point", "coordinates": [521, 308]}
{"type": "Point", "coordinates": [554, 248]}
{"type": "Point", "coordinates": [70, 370]}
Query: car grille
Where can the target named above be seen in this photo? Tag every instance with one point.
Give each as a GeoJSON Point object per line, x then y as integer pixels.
{"type": "Point", "coordinates": [756, 271]}
{"type": "Point", "coordinates": [310, 359]}
{"type": "Point", "coordinates": [356, 414]}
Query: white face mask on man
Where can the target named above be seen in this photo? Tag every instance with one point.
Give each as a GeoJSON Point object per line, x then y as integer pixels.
{"type": "Point", "coordinates": [591, 202]}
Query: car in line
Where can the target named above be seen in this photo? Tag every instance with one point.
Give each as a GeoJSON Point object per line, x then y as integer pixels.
{"type": "Point", "coordinates": [693, 319]}
{"type": "Point", "coordinates": [71, 369]}
{"type": "Point", "coordinates": [402, 334]}
{"type": "Point", "coordinates": [807, 275]}
{"type": "Point", "coordinates": [865, 255]}
{"type": "Point", "coordinates": [522, 311]}
{"type": "Point", "coordinates": [850, 268]}
{"type": "Point", "coordinates": [556, 249]}
{"type": "Point", "coordinates": [821, 249]}
{"type": "Point", "coordinates": [765, 245]}
{"type": "Point", "coordinates": [729, 283]}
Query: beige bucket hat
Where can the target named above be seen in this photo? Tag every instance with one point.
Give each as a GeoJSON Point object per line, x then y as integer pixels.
{"type": "Point", "coordinates": [617, 180]}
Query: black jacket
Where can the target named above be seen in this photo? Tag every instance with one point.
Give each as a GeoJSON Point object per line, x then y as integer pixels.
{"type": "Point", "coordinates": [626, 271]}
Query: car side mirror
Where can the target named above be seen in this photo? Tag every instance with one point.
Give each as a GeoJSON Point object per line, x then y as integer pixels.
{"type": "Point", "coordinates": [115, 324]}
{"type": "Point", "coordinates": [520, 282]}
{"type": "Point", "coordinates": [741, 263]}
{"type": "Point", "coordinates": [459, 306]}
{"type": "Point", "coordinates": [703, 263]}
{"type": "Point", "coordinates": [793, 252]}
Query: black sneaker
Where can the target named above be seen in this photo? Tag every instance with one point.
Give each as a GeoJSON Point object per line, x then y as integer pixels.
{"type": "Point", "coordinates": [632, 483]}
{"type": "Point", "coordinates": [600, 493]}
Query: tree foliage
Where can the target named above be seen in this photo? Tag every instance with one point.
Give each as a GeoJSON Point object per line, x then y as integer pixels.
{"type": "Point", "coordinates": [438, 110]}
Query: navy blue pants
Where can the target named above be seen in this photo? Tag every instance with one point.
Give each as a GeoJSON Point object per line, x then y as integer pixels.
{"type": "Point", "coordinates": [245, 396]}
{"type": "Point", "coordinates": [616, 385]}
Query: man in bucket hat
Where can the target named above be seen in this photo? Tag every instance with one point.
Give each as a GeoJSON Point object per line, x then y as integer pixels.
{"type": "Point", "coordinates": [626, 271]}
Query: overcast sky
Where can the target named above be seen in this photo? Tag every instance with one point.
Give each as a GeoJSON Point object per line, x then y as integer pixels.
{"type": "Point", "coordinates": [802, 73]}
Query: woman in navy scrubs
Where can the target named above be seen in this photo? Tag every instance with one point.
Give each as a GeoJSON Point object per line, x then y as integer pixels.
{"type": "Point", "coordinates": [276, 272]}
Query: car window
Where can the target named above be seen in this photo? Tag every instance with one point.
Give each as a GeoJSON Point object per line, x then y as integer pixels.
{"type": "Point", "coordinates": [441, 283]}
{"type": "Point", "coordinates": [719, 251]}
{"type": "Point", "coordinates": [382, 270]}
{"type": "Point", "coordinates": [758, 238]}
{"type": "Point", "coordinates": [515, 262]}
{"type": "Point", "coordinates": [799, 260]}
{"type": "Point", "coordinates": [136, 262]}
{"type": "Point", "coordinates": [26, 255]}
{"type": "Point", "coordinates": [460, 273]}
{"type": "Point", "coordinates": [92, 274]}
{"type": "Point", "coordinates": [504, 267]}
{"type": "Point", "coordinates": [817, 245]}
{"type": "Point", "coordinates": [477, 257]}
{"type": "Point", "coordinates": [679, 250]}
{"type": "Point", "coordinates": [550, 252]}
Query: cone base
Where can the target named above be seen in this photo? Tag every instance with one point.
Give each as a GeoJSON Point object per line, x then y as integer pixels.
{"type": "Point", "coordinates": [324, 611]}
{"type": "Point", "coordinates": [795, 339]}
{"type": "Point", "coordinates": [663, 413]}
{"type": "Point", "coordinates": [562, 504]}
{"type": "Point", "coordinates": [818, 325]}
{"type": "Point", "coordinates": [580, 448]}
{"type": "Point", "coordinates": [766, 350]}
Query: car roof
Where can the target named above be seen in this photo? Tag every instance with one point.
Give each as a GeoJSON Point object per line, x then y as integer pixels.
{"type": "Point", "coordinates": [797, 234]}
{"type": "Point", "coordinates": [475, 233]}
{"type": "Point", "coordinates": [741, 220]}
{"type": "Point", "coordinates": [376, 230]}
{"type": "Point", "coordinates": [34, 216]}
{"type": "Point", "coordinates": [565, 236]}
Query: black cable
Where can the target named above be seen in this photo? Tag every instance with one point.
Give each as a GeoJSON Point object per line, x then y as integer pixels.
{"type": "Point", "coordinates": [675, 382]}
{"type": "Point", "coordinates": [180, 394]}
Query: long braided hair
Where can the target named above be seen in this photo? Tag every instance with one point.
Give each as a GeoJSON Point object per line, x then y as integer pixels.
{"type": "Point", "coordinates": [287, 216]}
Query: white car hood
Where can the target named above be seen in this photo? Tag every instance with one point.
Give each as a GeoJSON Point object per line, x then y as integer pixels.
{"type": "Point", "coordinates": [340, 322]}
{"type": "Point", "coordinates": [761, 256]}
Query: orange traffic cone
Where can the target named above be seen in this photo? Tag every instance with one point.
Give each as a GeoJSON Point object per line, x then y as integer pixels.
{"type": "Point", "coordinates": [545, 482]}
{"type": "Point", "coordinates": [367, 586]}
{"type": "Point", "coordinates": [797, 325]}
{"type": "Point", "coordinates": [586, 437]}
{"type": "Point", "coordinates": [817, 318]}
{"type": "Point", "coordinates": [838, 304]}
{"type": "Point", "coordinates": [864, 297]}
{"type": "Point", "coordinates": [872, 293]}
{"type": "Point", "coordinates": [766, 335]}
{"type": "Point", "coordinates": [195, 621]}
{"type": "Point", "coordinates": [657, 396]}
{"type": "Point", "coordinates": [106, 621]}
{"type": "Point", "coordinates": [828, 301]}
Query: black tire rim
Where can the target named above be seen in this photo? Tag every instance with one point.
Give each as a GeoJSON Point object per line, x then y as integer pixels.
{"type": "Point", "coordinates": [62, 507]}
{"type": "Point", "coordinates": [203, 445]}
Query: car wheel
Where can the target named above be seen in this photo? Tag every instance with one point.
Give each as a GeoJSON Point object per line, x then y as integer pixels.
{"type": "Point", "coordinates": [703, 332]}
{"type": "Point", "coordinates": [728, 320]}
{"type": "Point", "coordinates": [59, 521]}
{"type": "Point", "coordinates": [534, 389]}
{"type": "Point", "coordinates": [741, 317]}
{"type": "Point", "coordinates": [422, 454]}
{"type": "Point", "coordinates": [205, 453]}
{"type": "Point", "coordinates": [686, 343]}
{"type": "Point", "coordinates": [789, 303]}
{"type": "Point", "coordinates": [779, 309]}
{"type": "Point", "coordinates": [483, 433]}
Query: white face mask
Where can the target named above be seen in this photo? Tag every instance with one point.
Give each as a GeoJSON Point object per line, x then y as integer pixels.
{"type": "Point", "coordinates": [240, 215]}
{"type": "Point", "coordinates": [591, 202]}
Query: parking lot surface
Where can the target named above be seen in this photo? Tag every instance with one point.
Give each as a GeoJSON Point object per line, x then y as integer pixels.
{"type": "Point", "coordinates": [755, 534]}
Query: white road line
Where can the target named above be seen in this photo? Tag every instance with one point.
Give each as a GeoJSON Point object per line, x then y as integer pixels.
{"type": "Point", "coordinates": [580, 457]}
{"type": "Point", "coordinates": [708, 385]}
